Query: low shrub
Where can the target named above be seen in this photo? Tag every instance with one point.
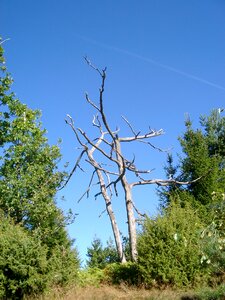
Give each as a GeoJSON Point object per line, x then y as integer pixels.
{"type": "Point", "coordinates": [169, 249]}
{"type": "Point", "coordinates": [213, 253]}
{"type": "Point", "coordinates": [23, 262]}
{"type": "Point", "coordinates": [91, 277]}
{"type": "Point", "coordinates": [212, 294]}
{"type": "Point", "coordinates": [128, 273]}
{"type": "Point", "coordinates": [213, 239]}
{"type": "Point", "coordinates": [27, 267]}
{"type": "Point", "coordinates": [63, 266]}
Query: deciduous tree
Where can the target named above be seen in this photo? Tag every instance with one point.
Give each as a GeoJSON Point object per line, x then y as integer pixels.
{"type": "Point", "coordinates": [29, 179]}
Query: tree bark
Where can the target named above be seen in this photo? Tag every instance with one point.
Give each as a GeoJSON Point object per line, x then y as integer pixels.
{"type": "Point", "coordinates": [129, 204]}
{"type": "Point", "coordinates": [112, 218]}
{"type": "Point", "coordinates": [109, 208]}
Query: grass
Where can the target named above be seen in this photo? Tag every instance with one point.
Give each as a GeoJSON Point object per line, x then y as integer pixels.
{"type": "Point", "coordinates": [91, 285]}
{"type": "Point", "coordinates": [123, 292]}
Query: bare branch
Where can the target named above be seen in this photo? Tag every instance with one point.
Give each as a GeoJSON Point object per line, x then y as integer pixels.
{"type": "Point", "coordinates": [164, 182]}
{"type": "Point", "coordinates": [100, 168]}
{"type": "Point", "coordinates": [131, 167]}
{"type": "Point", "coordinates": [110, 190]}
{"type": "Point", "coordinates": [88, 189]}
{"type": "Point", "coordinates": [94, 67]}
{"type": "Point", "coordinates": [102, 213]}
{"type": "Point", "coordinates": [114, 183]}
{"type": "Point", "coordinates": [111, 150]}
{"type": "Point", "coordinates": [141, 178]}
{"type": "Point", "coordinates": [91, 102]}
{"type": "Point", "coordinates": [154, 147]}
{"type": "Point", "coordinates": [101, 91]}
{"type": "Point", "coordinates": [95, 146]}
{"type": "Point", "coordinates": [5, 40]}
{"type": "Point", "coordinates": [74, 169]}
{"type": "Point", "coordinates": [131, 128]}
{"type": "Point", "coordinates": [148, 135]}
{"type": "Point", "coordinates": [137, 211]}
{"type": "Point", "coordinates": [98, 123]}
{"type": "Point", "coordinates": [71, 124]}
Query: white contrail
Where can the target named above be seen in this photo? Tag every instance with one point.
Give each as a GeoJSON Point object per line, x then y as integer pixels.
{"type": "Point", "coordinates": [152, 61]}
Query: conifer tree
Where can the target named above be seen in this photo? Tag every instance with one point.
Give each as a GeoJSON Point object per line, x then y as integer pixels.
{"type": "Point", "coordinates": [203, 156]}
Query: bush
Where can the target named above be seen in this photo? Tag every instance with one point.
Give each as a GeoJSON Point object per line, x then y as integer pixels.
{"type": "Point", "coordinates": [128, 273]}
{"type": "Point", "coordinates": [99, 257]}
{"type": "Point", "coordinates": [169, 248]}
{"type": "Point", "coordinates": [213, 240]}
{"type": "Point", "coordinates": [212, 294]}
{"type": "Point", "coordinates": [91, 277]}
{"type": "Point", "coordinates": [23, 262]}
{"type": "Point", "coordinates": [25, 265]}
{"type": "Point", "coordinates": [63, 266]}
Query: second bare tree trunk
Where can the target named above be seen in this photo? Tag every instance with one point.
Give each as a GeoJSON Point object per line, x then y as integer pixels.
{"type": "Point", "coordinates": [129, 204]}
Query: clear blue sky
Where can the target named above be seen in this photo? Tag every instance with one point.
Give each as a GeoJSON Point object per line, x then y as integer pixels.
{"type": "Point", "coordinates": [164, 59]}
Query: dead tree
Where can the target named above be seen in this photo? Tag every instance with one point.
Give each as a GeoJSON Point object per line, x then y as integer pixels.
{"type": "Point", "coordinates": [88, 148]}
{"type": "Point", "coordinates": [108, 144]}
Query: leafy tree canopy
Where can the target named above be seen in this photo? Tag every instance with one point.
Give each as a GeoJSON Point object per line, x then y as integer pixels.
{"type": "Point", "coordinates": [29, 176]}
{"type": "Point", "coordinates": [29, 179]}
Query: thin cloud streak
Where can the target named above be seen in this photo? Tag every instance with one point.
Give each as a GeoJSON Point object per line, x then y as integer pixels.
{"type": "Point", "coordinates": [152, 61]}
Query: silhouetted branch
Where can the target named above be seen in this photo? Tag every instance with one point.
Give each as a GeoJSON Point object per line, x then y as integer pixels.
{"type": "Point", "coordinates": [88, 189]}
{"type": "Point", "coordinates": [131, 128]}
{"type": "Point", "coordinates": [154, 147]}
{"type": "Point", "coordinates": [74, 169]}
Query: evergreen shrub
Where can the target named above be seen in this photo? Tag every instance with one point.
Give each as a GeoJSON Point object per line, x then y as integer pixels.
{"type": "Point", "coordinates": [169, 248]}
{"type": "Point", "coordinates": [23, 262]}
{"type": "Point", "coordinates": [128, 273]}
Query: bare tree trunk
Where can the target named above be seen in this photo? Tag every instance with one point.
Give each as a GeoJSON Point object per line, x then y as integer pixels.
{"type": "Point", "coordinates": [108, 203]}
{"type": "Point", "coordinates": [131, 219]}
{"type": "Point", "coordinates": [129, 204]}
{"type": "Point", "coordinates": [112, 218]}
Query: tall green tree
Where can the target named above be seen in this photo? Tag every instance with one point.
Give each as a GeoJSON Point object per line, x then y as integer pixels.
{"type": "Point", "coordinates": [29, 179]}
{"type": "Point", "coordinates": [29, 176]}
{"type": "Point", "coordinates": [202, 156]}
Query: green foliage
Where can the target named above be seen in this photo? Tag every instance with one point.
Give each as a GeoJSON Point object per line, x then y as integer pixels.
{"type": "Point", "coordinates": [128, 273]}
{"type": "Point", "coordinates": [169, 248]}
{"type": "Point", "coordinates": [29, 179]}
{"type": "Point", "coordinates": [199, 162]}
{"type": "Point", "coordinates": [91, 277]}
{"type": "Point", "coordinates": [29, 176]}
{"type": "Point", "coordinates": [99, 257]}
{"type": "Point", "coordinates": [103, 266]}
{"type": "Point", "coordinates": [63, 266]}
{"type": "Point", "coordinates": [23, 262]}
{"type": "Point", "coordinates": [203, 157]}
{"type": "Point", "coordinates": [213, 242]}
{"type": "Point", "coordinates": [209, 294]}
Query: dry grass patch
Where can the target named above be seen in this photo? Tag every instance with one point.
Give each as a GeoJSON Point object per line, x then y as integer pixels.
{"type": "Point", "coordinates": [124, 292]}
